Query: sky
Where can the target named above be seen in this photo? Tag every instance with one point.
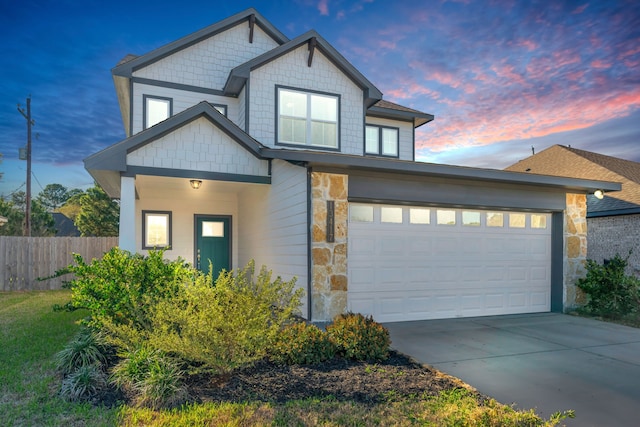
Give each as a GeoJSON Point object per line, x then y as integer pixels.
{"type": "Point", "coordinates": [502, 77]}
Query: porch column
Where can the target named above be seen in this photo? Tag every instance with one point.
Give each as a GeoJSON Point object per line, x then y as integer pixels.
{"type": "Point", "coordinates": [127, 239]}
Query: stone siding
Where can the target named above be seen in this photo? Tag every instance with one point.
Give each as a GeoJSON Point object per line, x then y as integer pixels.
{"type": "Point", "coordinates": [575, 239]}
{"type": "Point", "coordinates": [329, 280]}
{"type": "Point", "coordinates": [611, 235]}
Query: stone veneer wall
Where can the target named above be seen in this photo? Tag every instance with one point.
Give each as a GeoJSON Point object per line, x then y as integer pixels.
{"type": "Point", "coordinates": [575, 239]}
{"type": "Point", "coordinates": [329, 260]}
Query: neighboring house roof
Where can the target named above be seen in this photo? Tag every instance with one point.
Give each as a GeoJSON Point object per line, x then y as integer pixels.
{"type": "Point", "coordinates": [64, 226]}
{"type": "Point", "coordinates": [240, 74]}
{"type": "Point", "coordinates": [565, 161]}
{"type": "Point", "coordinates": [107, 165]}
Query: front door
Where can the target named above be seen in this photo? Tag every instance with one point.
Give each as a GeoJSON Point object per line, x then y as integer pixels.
{"type": "Point", "coordinates": [213, 243]}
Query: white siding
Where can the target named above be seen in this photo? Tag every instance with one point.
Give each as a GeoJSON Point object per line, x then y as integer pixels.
{"type": "Point", "coordinates": [273, 224]}
{"type": "Point", "coordinates": [291, 70]}
{"type": "Point", "coordinates": [208, 63]}
{"type": "Point", "coordinates": [405, 136]}
{"type": "Point", "coordinates": [182, 100]}
{"type": "Point", "coordinates": [198, 145]}
{"type": "Point", "coordinates": [183, 206]}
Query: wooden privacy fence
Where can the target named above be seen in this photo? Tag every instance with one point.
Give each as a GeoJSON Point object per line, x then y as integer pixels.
{"type": "Point", "coordinates": [24, 259]}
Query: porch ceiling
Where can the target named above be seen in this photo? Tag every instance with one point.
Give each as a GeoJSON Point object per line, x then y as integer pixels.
{"type": "Point", "coordinates": [158, 187]}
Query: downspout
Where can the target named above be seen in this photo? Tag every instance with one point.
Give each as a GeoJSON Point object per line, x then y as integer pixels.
{"type": "Point", "coordinates": [309, 216]}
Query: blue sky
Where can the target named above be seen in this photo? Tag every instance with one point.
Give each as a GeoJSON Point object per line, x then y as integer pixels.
{"type": "Point", "coordinates": [500, 76]}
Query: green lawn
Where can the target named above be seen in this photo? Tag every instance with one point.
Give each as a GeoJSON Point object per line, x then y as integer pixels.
{"type": "Point", "coordinates": [32, 333]}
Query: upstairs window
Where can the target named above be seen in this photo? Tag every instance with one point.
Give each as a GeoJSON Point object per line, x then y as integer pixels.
{"type": "Point", "coordinates": [156, 109]}
{"type": "Point", "coordinates": [381, 141]}
{"type": "Point", "coordinates": [307, 118]}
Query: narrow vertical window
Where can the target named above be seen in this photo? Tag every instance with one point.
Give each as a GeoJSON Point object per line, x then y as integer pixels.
{"type": "Point", "coordinates": [156, 229]}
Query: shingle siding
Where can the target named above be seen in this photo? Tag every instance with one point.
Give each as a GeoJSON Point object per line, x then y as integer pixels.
{"type": "Point", "coordinates": [201, 146]}
{"type": "Point", "coordinates": [207, 64]}
{"type": "Point", "coordinates": [291, 70]}
{"type": "Point", "coordinates": [182, 100]}
{"type": "Point", "coordinates": [613, 235]}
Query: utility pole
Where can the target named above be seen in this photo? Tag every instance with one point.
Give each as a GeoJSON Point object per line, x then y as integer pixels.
{"type": "Point", "coordinates": [30, 122]}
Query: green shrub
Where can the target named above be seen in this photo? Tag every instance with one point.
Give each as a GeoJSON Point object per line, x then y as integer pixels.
{"type": "Point", "coordinates": [85, 383]}
{"type": "Point", "coordinates": [301, 343]}
{"type": "Point", "coordinates": [610, 292]}
{"type": "Point", "coordinates": [121, 287]}
{"type": "Point", "coordinates": [85, 349]}
{"type": "Point", "coordinates": [231, 324]}
{"type": "Point", "coordinates": [360, 338]}
{"type": "Point", "coordinates": [150, 377]}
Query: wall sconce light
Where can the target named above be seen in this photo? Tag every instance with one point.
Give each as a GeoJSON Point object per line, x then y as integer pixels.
{"type": "Point", "coordinates": [599, 194]}
{"type": "Point", "coordinates": [195, 183]}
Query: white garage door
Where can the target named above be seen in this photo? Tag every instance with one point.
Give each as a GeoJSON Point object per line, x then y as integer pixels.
{"type": "Point", "coordinates": [411, 263]}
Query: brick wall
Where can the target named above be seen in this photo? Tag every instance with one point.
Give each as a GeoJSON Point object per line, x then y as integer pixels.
{"type": "Point", "coordinates": [613, 235]}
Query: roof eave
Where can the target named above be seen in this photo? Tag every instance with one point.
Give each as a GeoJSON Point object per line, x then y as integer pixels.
{"type": "Point", "coordinates": [439, 170]}
{"type": "Point", "coordinates": [418, 119]}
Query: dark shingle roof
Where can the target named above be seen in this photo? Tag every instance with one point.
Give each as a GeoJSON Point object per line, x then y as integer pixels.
{"type": "Point", "coordinates": [559, 160]}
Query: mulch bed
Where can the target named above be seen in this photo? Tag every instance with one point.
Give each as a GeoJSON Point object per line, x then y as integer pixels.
{"type": "Point", "coordinates": [339, 379]}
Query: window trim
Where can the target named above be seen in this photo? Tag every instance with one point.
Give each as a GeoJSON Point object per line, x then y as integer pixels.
{"type": "Point", "coordinates": [307, 92]}
{"type": "Point", "coordinates": [145, 98]}
{"type": "Point", "coordinates": [169, 230]}
{"type": "Point", "coordinates": [380, 143]}
{"type": "Point", "coordinates": [222, 106]}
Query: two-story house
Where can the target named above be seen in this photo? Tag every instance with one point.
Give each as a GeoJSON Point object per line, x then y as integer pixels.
{"type": "Point", "coordinates": [244, 144]}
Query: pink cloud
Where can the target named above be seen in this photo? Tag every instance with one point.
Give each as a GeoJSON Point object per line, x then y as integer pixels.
{"type": "Point", "coordinates": [600, 64]}
{"type": "Point", "coordinates": [521, 119]}
{"type": "Point", "coordinates": [578, 10]}
{"type": "Point", "coordinates": [323, 7]}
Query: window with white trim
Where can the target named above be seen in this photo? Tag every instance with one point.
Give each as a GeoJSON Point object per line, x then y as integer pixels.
{"type": "Point", "coordinates": [307, 118]}
{"type": "Point", "coordinates": [381, 141]}
{"type": "Point", "coordinates": [156, 109]}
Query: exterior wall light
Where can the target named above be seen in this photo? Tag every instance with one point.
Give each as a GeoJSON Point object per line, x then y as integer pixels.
{"type": "Point", "coordinates": [195, 183]}
{"type": "Point", "coordinates": [599, 194]}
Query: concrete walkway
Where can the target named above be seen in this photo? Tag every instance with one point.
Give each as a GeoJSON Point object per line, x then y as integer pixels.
{"type": "Point", "coordinates": [550, 362]}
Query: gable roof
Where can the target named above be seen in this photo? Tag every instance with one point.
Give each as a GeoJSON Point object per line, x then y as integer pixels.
{"type": "Point", "coordinates": [240, 74]}
{"type": "Point", "coordinates": [64, 225]}
{"type": "Point", "coordinates": [131, 63]}
{"type": "Point", "coordinates": [105, 166]}
{"type": "Point", "coordinates": [559, 160]}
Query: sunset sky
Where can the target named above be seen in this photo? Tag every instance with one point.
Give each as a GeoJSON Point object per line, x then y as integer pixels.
{"type": "Point", "coordinates": [500, 76]}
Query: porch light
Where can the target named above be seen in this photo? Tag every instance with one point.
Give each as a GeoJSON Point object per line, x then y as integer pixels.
{"type": "Point", "coordinates": [195, 183]}
{"type": "Point", "coordinates": [599, 194]}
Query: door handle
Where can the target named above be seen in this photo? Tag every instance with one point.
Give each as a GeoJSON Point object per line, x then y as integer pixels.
{"type": "Point", "coordinates": [198, 259]}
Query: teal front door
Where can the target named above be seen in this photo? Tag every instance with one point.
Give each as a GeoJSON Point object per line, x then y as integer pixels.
{"type": "Point", "coordinates": [213, 243]}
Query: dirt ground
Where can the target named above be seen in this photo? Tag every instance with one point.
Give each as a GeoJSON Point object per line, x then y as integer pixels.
{"type": "Point", "coordinates": [339, 378]}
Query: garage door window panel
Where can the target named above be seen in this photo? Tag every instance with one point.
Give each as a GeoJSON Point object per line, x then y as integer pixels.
{"type": "Point", "coordinates": [495, 219]}
{"type": "Point", "coordinates": [391, 215]}
{"type": "Point", "coordinates": [445, 217]}
{"type": "Point", "coordinates": [471, 219]}
{"type": "Point", "coordinates": [361, 213]}
{"type": "Point", "coordinates": [419, 216]}
{"type": "Point", "coordinates": [538, 221]}
{"type": "Point", "coordinates": [517, 220]}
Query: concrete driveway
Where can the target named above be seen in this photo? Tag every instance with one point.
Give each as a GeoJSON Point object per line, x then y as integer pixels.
{"type": "Point", "coordinates": [550, 362]}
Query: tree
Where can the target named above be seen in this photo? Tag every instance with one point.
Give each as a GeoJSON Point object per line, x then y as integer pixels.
{"type": "Point", "coordinates": [42, 223]}
{"type": "Point", "coordinates": [71, 208]}
{"type": "Point", "coordinates": [99, 215]}
{"type": "Point", "coordinates": [53, 196]}
{"type": "Point", "coordinates": [15, 219]}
